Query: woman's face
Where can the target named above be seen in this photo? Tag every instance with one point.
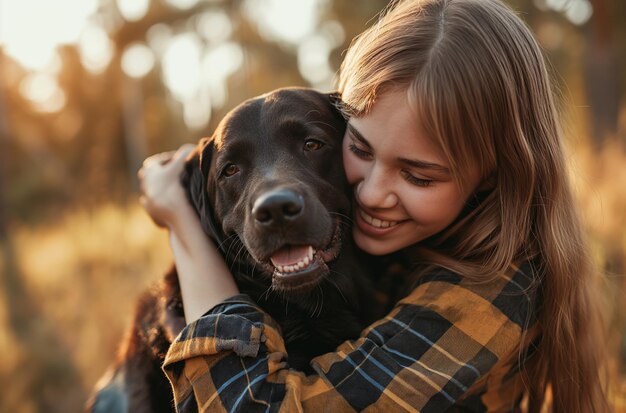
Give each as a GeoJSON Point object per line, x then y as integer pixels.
{"type": "Point", "coordinates": [403, 188]}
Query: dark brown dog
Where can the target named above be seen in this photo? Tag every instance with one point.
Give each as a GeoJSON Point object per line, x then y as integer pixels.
{"type": "Point", "coordinates": [270, 190]}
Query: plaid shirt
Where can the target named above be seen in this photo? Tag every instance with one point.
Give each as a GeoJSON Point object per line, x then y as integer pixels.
{"type": "Point", "coordinates": [448, 344]}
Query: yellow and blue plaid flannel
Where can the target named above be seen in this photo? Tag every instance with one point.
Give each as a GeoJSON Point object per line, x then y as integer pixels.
{"type": "Point", "coordinates": [449, 345]}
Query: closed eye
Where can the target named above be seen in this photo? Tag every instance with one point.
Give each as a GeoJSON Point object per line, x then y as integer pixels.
{"type": "Point", "coordinates": [412, 179]}
{"type": "Point", "coordinates": [359, 152]}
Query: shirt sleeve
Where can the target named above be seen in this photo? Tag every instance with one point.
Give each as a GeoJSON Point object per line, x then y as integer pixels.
{"type": "Point", "coordinates": [434, 345]}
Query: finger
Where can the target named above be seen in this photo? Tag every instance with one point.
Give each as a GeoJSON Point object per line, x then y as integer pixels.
{"type": "Point", "coordinates": [142, 186]}
{"type": "Point", "coordinates": [166, 157]}
{"type": "Point", "coordinates": [146, 205]}
{"type": "Point", "coordinates": [181, 154]}
{"type": "Point", "coordinates": [159, 158]}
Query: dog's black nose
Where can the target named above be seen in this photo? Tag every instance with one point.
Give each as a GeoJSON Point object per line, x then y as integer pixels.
{"type": "Point", "coordinates": [277, 206]}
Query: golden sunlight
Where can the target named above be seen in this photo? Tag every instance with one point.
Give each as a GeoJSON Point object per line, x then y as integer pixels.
{"type": "Point", "coordinates": [31, 30]}
{"type": "Point", "coordinates": [43, 90]}
{"type": "Point", "coordinates": [133, 10]}
{"type": "Point", "coordinates": [285, 20]}
{"type": "Point", "coordinates": [137, 60]}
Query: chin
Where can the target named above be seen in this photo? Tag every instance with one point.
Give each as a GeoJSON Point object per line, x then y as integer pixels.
{"type": "Point", "coordinates": [374, 247]}
{"type": "Point", "coordinates": [379, 247]}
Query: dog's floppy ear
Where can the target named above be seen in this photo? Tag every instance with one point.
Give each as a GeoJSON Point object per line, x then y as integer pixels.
{"type": "Point", "coordinates": [194, 180]}
{"type": "Point", "coordinates": [337, 104]}
{"type": "Point", "coordinates": [338, 108]}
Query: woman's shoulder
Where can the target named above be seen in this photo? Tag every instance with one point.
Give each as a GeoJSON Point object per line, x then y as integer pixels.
{"type": "Point", "coordinates": [517, 279]}
{"type": "Point", "coordinates": [513, 294]}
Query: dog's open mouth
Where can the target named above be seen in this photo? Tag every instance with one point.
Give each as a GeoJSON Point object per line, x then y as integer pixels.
{"type": "Point", "coordinates": [298, 268]}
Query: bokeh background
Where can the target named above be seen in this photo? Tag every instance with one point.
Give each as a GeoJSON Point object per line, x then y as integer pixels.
{"type": "Point", "coordinates": [89, 88]}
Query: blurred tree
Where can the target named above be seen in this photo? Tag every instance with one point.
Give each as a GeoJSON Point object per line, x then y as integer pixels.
{"type": "Point", "coordinates": [602, 76]}
{"type": "Point", "coordinates": [47, 356]}
{"type": "Point", "coordinates": [4, 160]}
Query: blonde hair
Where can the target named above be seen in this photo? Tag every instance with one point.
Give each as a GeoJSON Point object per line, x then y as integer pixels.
{"type": "Point", "coordinates": [477, 80]}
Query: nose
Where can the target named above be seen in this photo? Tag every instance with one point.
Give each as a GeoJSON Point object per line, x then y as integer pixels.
{"type": "Point", "coordinates": [277, 206]}
{"type": "Point", "coordinates": [376, 189]}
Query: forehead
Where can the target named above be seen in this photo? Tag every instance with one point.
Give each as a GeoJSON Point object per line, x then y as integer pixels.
{"type": "Point", "coordinates": [283, 112]}
{"type": "Point", "coordinates": [393, 128]}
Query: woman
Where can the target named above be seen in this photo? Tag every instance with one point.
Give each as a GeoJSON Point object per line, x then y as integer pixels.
{"type": "Point", "coordinates": [454, 152]}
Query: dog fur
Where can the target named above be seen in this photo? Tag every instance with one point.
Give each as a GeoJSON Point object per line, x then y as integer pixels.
{"type": "Point", "coordinates": [287, 189]}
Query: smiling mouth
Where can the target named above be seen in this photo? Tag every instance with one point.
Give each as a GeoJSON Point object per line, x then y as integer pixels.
{"type": "Point", "coordinates": [375, 222]}
{"type": "Point", "coordinates": [293, 259]}
{"type": "Point", "coordinates": [298, 268]}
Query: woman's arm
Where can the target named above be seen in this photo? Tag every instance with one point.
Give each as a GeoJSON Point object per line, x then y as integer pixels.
{"type": "Point", "coordinates": [203, 276]}
{"type": "Point", "coordinates": [435, 347]}
{"type": "Point", "coordinates": [425, 355]}
{"type": "Point", "coordinates": [196, 256]}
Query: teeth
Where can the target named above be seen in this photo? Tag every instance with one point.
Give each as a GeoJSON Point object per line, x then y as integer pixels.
{"type": "Point", "coordinates": [375, 222]}
{"type": "Point", "coordinates": [285, 269]}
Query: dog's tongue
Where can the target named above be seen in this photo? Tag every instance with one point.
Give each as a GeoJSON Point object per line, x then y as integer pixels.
{"type": "Point", "coordinates": [290, 255]}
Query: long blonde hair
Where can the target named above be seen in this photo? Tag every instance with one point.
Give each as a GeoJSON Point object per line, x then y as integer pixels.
{"type": "Point", "coordinates": [478, 82]}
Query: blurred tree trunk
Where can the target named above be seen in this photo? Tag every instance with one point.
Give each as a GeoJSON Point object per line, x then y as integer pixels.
{"type": "Point", "coordinates": [47, 368]}
{"type": "Point", "coordinates": [3, 162]}
{"type": "Point", "coordinates": [134, 129]}
{"type": "Point", "coordinates": [602, 75]}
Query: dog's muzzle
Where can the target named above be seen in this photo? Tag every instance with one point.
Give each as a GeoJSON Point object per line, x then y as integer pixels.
{"type": "Point", "coordinates": [299, 268]}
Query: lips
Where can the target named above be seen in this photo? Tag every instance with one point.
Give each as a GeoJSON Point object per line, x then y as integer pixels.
{"type": "Point", "coordinates": [375, 227]}
{"type": "Point", "coordinates": [375, 222]}
{"type": "Point", "coordinates": [298, 268]}
{"type": "Point", "coordinates": [290, 259]}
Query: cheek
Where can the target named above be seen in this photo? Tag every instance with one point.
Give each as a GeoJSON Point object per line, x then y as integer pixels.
{"type": "Point", "coordinates": [438, 208]}
{"type": "Point", "coordinates": [350, 164]}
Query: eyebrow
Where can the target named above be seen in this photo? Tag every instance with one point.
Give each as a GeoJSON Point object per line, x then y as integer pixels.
{"type": "Point", "coordinates": [415, 163]}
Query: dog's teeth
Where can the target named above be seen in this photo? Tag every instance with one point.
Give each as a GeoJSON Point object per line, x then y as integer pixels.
{"type": "Point", "coordinates": [298, 266]}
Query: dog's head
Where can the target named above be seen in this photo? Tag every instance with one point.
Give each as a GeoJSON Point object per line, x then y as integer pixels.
{"type": "Point", "coordinates": [271, 180]}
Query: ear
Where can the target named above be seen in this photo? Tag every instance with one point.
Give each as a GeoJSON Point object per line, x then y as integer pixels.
{"type": "Point", "coordinates": [194, 179]}
{"type": "Point", "coordinates": [337, 107]}
{"type": "Point", "coordinates": [336, 103]}
{"type": "Point", "coordinates": [335, 97]}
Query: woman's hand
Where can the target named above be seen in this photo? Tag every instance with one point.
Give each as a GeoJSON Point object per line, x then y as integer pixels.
{"type": "Point", "coordinates": [162, 195]}
{"type": "Point", "coordinates": [204, 279]}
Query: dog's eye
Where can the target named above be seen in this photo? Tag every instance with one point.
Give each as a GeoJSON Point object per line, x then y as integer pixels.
{"type": "Point", "coordinates": [230, 170]}
{"type": "Point", "coordinates": [313, 145]}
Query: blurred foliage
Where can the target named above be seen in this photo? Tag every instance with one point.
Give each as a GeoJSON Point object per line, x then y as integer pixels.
{"type": "Point", "coordinates": [76, 249]}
